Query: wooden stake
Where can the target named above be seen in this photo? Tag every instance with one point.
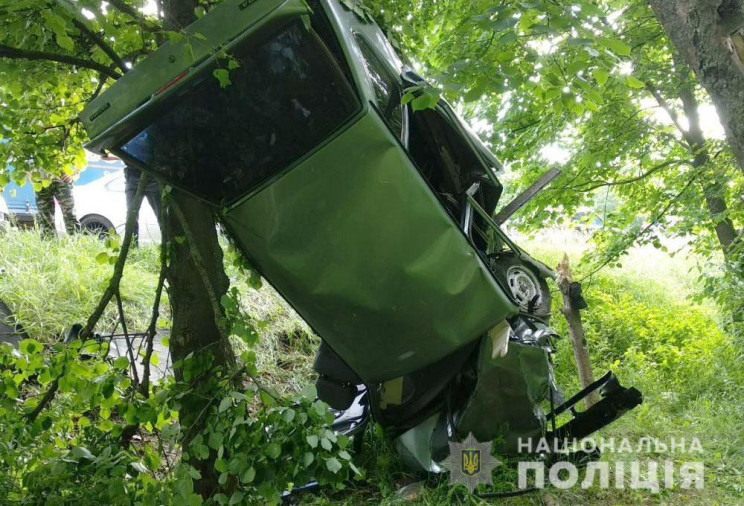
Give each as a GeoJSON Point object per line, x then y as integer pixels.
{"type": "Point", "coordinates": [575, 328]}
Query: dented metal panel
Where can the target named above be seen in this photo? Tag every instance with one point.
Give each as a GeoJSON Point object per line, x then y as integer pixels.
{"type": "Point", "coordinates": [356, 241]}
{"type": "Point", "coordinates": [505, 404]}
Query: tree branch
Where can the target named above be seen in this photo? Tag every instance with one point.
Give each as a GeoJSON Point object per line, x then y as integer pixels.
{"type": "Point", "coordinates": [113, 287]}
{"type": "Point", "coordinates": [133, 13]}
{"type": "Point", "coordinates": [665, 105]}
{"type": "Point", "coordinates": [105, 47]}
{"type": "Point", "coordinates": [152, 328]}
{"type": "Point", "coordinates": [13, 53]}
{"type": "Point", "coordinates": [583, 188]}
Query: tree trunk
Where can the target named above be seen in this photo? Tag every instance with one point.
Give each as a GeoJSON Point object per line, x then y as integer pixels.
{"type": "Point", "coordinates": [712, 190]}
{"type": "Point", "coordinates": [707, 34]}
{"type": "Point", "coordinates": [197, 281]}
{"type": "Point", "coordinates": [576, 330]}
{"type": "Point", "coordinates": [695, 142]}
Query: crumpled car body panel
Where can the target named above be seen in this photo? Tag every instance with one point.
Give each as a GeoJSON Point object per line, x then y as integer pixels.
{"type": "Point", "coordinates": [356, 241]}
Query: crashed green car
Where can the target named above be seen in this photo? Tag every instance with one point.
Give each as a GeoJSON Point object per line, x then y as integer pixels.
{"type": "Point", "coordinates": [376, 223]}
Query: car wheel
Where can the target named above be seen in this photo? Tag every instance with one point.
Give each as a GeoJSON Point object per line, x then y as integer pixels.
{"type": "Point", "coordinates": [529, 290]}
{"type": "Point", "coordinates": [96, 225]}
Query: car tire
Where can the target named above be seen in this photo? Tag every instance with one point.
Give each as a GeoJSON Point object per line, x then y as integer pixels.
{"type": "Point", "coordinates": [523, 283]}
{"type": "Point", "coordinates": [95, 224]}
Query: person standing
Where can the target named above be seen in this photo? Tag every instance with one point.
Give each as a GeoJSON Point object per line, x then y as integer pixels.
{"type": "Point", "coordinates": [60, 189]}
{"type": "Point", "coordinates": [152, 193]}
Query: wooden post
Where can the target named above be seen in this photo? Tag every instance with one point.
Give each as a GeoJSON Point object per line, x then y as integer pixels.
{"type": "Point", "coordinates": [575, 327]}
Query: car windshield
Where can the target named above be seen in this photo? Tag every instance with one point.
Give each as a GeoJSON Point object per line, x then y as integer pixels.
{"type": "Point", "coordinates": [286, 96]}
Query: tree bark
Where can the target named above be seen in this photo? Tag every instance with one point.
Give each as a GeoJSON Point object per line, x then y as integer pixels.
{"type": "Point", "coordinates": [707, 34]}
{"type": "Point", "coordinates": [576, 330]}
{"type": "Point", "coordinates": [196, 278]}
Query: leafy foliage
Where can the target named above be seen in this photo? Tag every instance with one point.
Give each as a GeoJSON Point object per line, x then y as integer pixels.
{"type": "Point", "coordinates": [80, 448]}
{"type": "Point", "coordinates": [595, 88]}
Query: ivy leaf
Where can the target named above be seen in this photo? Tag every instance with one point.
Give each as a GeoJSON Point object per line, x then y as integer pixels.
{"type": "Point", "coordinates": [326, 444]}
{"type": "Point", "coordinates": [288, 415]}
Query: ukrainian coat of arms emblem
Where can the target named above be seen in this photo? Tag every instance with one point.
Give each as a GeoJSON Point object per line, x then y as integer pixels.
{"type": "Point", "coordinates": [470, 463]}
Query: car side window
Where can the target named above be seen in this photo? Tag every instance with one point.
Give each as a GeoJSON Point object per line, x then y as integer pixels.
{"type": "Point", "coordinates": [385, 83]}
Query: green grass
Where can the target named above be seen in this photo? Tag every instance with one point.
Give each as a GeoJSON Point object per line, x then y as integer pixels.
{"type": "Point", "coordinates": [641, 324]}
{"type": "Point", "coordinates": [53, 284]}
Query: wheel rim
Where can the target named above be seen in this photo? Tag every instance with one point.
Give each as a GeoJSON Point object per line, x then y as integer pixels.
{"type": "Point", "coordinates": [97, 228]}
{"type": "Point", "coordinates": [524, 286]}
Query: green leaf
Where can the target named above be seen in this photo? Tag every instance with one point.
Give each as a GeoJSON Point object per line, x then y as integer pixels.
{"type": "Point", "coordinates": [223, 76]}
{"type": "Point", "coordinates": [326, 444]}
{"type": "Point", "coordinates": [138, 466]}
{"type": "Point", "coordinates": [288, 415]}
{"type": "Point", "coordinates": [617, 46]}
{"type": "Point", "coordinates": [601, 76]}
{"type": "Point", "coordinates": [64, 42]}
{"type": "Point", "coordinates": [225, 404]}
{"type": "Point", "coordinates": [236, 498]}
{"type": "Point", "coordinates": [312, 441]}
{"type": "Point", "coordinates": [221, 465]}
{"type": "Point", "coordinates": [80, 452]}
{"type": "Point", "coordinates": [215, 440]}
{"type": "Point", "coordinates": [634, 82]}
{"type": "Point", "coordinates": [333, 465]}
{"type": "Point", "coordinates": [273, 450]}
{"type": "Point", "coordinates": [248, 475]}
{"type": "Point", "coordinates": [29, 347]}
{"type": "Point", "coordinates": [308, 459]}
{"type": "Point", "coordinates": [121, 363]}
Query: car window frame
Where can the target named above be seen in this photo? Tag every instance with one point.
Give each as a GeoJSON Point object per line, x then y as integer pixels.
{"type": "Point", "coordinates": [344, 72]}
{"type": "Point", "coordinates": [379, 61]}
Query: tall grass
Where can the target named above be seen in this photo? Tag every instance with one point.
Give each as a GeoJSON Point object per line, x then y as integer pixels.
{"type": "Point", "coordinates": [51, 284]}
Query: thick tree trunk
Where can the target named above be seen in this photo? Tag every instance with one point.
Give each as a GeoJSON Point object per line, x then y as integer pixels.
{"type": "Point", "coordinates": [193, 301]}
{"type": "Point", "coordinates": [576, 330]}
{"type": "Point", "coordinates": [197, 281]}
{"type": "Point", "coordinates": [708, 33]}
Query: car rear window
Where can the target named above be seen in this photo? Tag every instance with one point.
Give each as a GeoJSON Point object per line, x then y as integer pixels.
{"type": "Point", "coordinates": [287, 95]}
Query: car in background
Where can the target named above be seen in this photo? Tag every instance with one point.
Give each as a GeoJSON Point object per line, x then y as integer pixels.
{"type": "Point", "coordinates": [101, 206]}
{"type": "Point", "coordinates": [3, 214]}
{"type": "Point", "coordinates": [100, 202]}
